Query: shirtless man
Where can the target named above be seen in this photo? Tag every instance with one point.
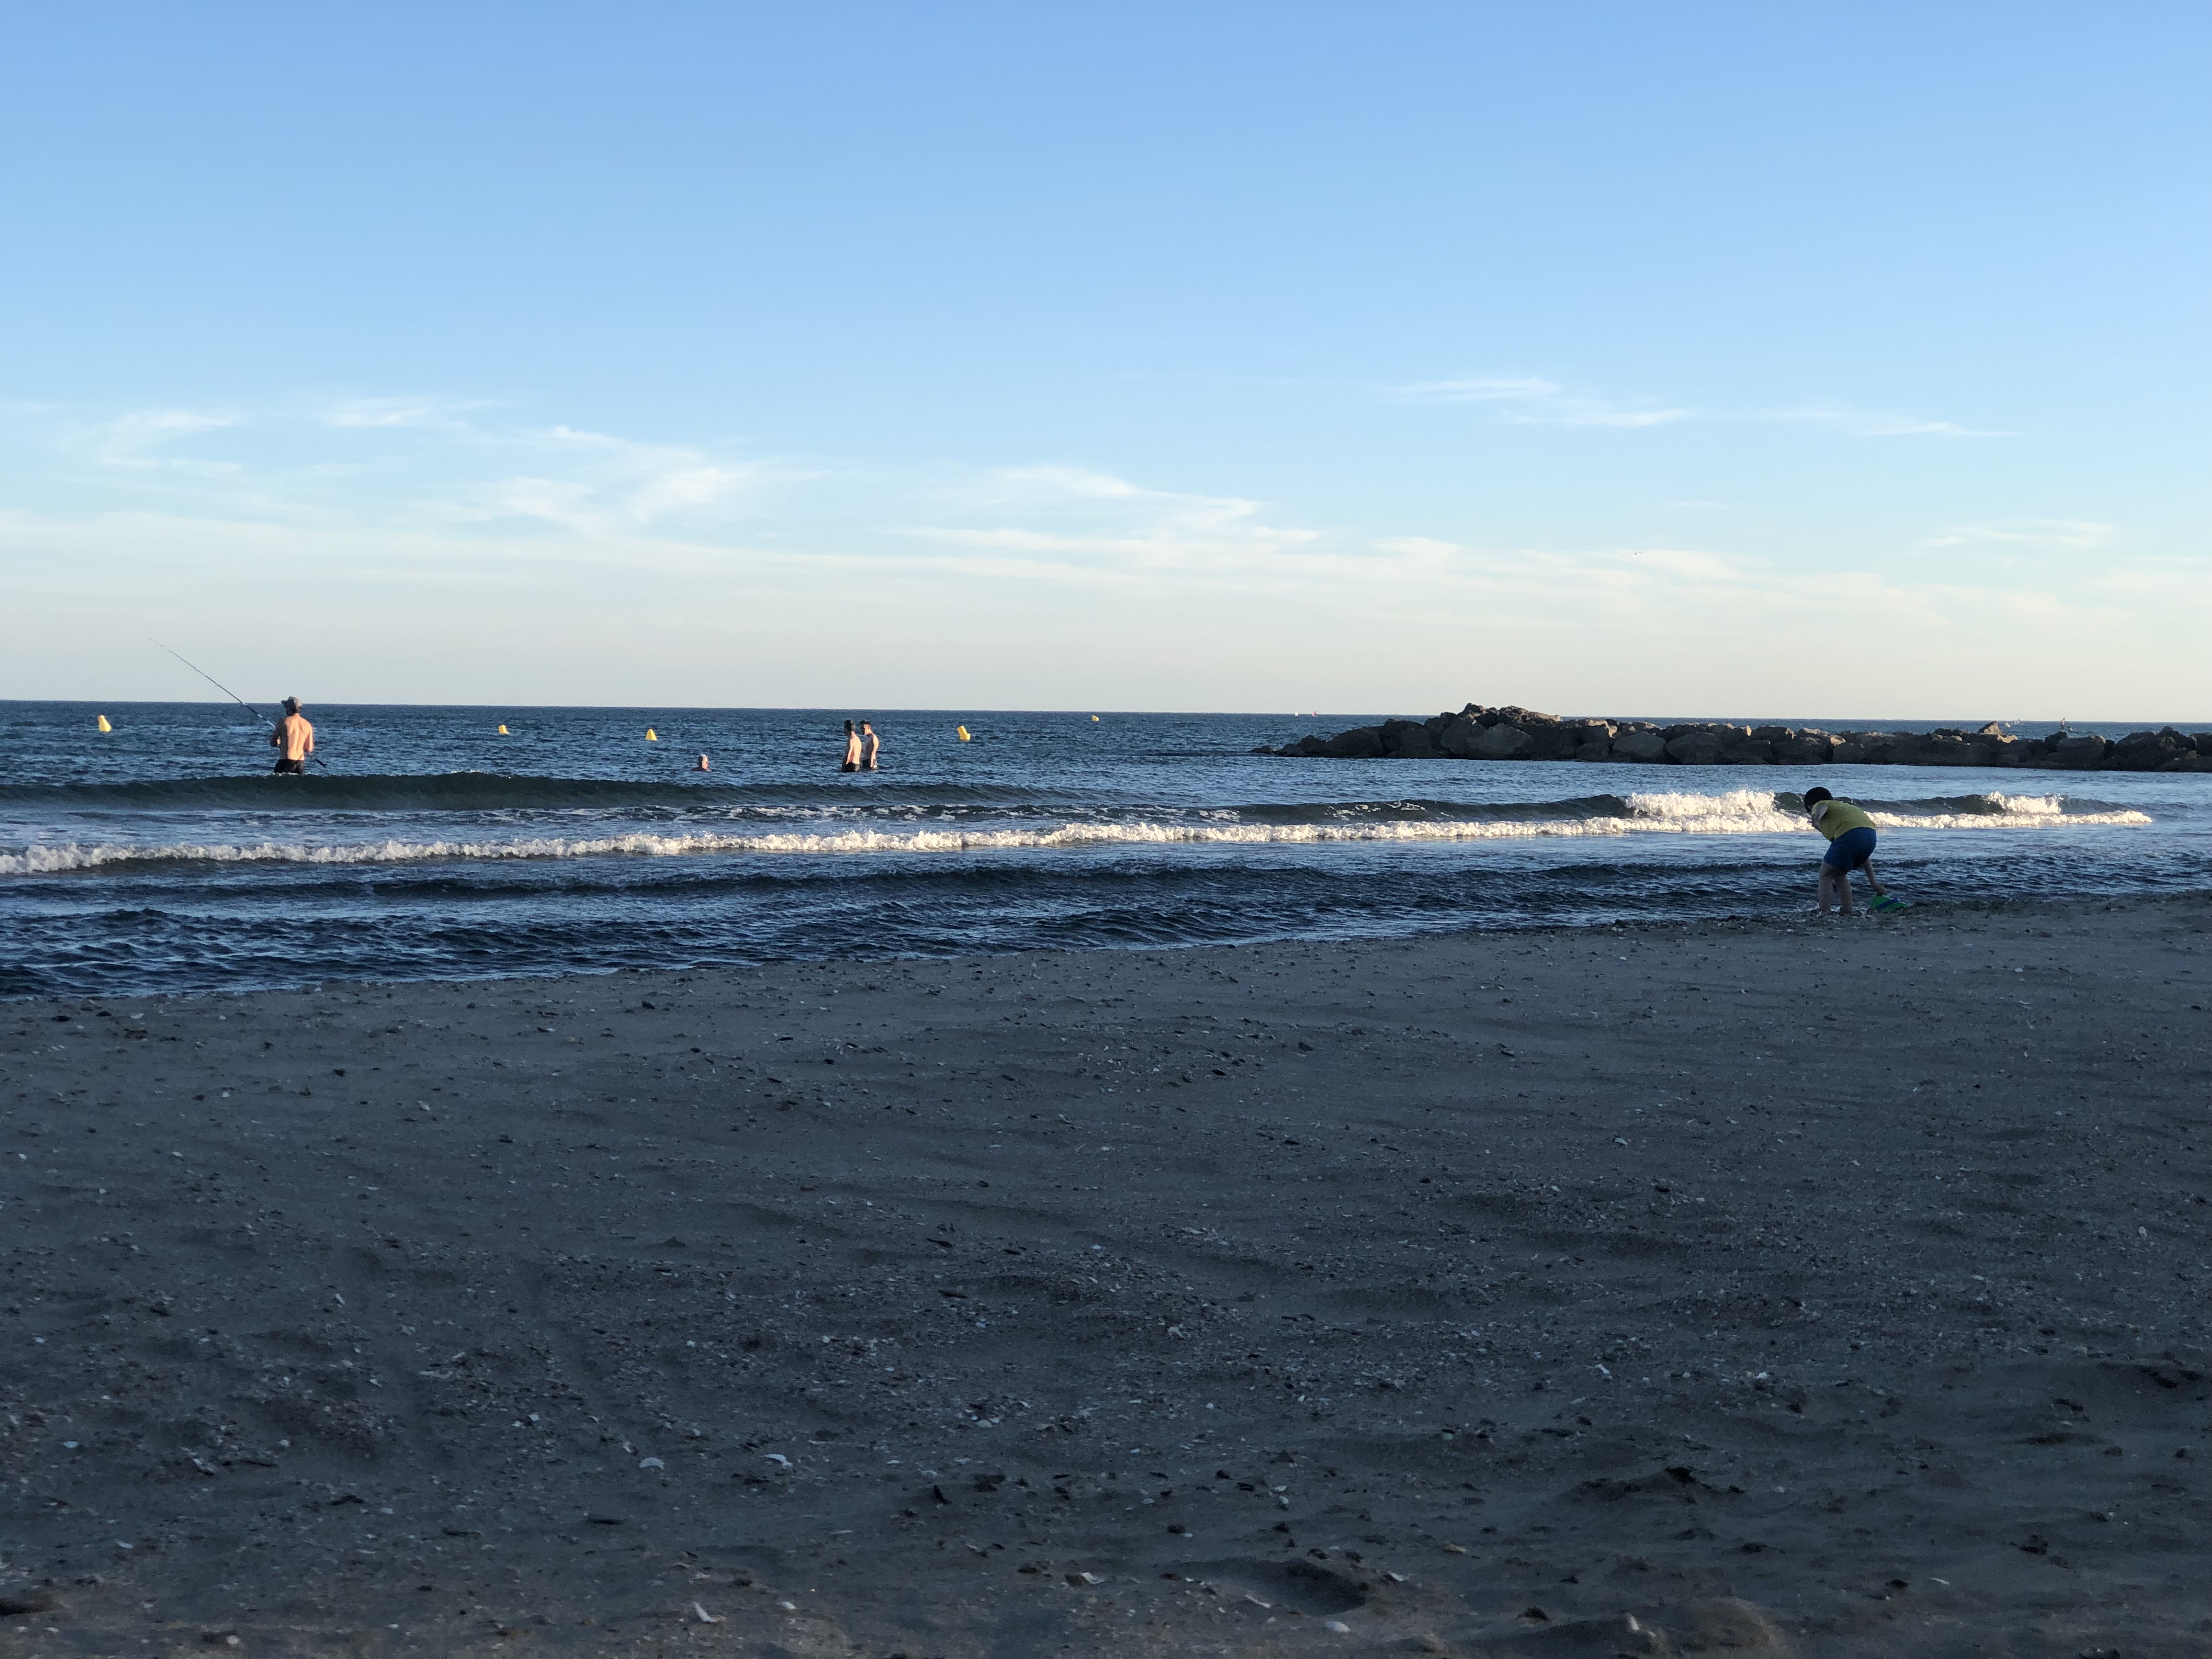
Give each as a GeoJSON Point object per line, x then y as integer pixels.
{"type": "Point", "coordinates": [852, 749]}
{"type": "Point", "coordinates": [869, 745]}
{"type": "Point", "coordinates": [293, 739]}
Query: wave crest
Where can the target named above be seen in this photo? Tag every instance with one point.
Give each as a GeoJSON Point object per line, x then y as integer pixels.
{"type": "Point", "coordinates": [1737, 812]}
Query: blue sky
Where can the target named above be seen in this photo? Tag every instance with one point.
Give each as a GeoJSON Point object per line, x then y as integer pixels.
{"type": "Point", "coordinates": [1724, 359]}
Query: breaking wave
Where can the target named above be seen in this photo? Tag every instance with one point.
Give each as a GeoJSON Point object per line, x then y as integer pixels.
{"type": "Point", "coordinates": [1736, 812]}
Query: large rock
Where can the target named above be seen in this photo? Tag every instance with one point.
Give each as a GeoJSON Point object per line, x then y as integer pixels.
{"type": "Point", "coordinates": [1944, 749]}
{"type": "Point", "coordinates": [1513, 714]}
{"type": "Point", "coordinates": [2082, 752]}
{"type": "Point", "coordinates": [1698, 746]}
{"type": "Point", "coordinates": [1550, 740]}
{"type": "Point", "coordinates": [1593, 740]}
{"type": "Point", "coordinates": [2149, 751]}
{"type": "Point", "coordinates": [1645, 746]}
{"type": "Point", "coordinates": [1499, 742]}
{"type": "Point", "coordinates": [1458, 735]}
{"type": "Point", "coordinates": [1361, 742]}
{"type": "Point", "coordinates": [1408, 740]}
{"type": "Point", "coordinates": [1745, 749]}
{"type": "Point", "coordinates": [1803, 749]}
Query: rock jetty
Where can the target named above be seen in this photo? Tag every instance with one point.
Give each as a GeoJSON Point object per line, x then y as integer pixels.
{"type": "Point", "coordinates": [1522, 734]}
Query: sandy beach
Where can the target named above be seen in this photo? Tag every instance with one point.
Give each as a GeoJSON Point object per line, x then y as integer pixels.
{"type": "Point", "coordinates": [1768, 1287]}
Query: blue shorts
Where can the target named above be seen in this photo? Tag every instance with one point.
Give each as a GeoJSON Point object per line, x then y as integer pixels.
{"type": "Point", "coordinates": [1848, 850]}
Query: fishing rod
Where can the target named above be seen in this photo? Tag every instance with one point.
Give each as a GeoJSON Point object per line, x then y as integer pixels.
{"type": "Point", "coordinates": [228, 692]}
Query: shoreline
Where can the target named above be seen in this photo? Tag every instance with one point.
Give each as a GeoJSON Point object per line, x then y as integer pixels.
{"type": "Point", "coordinates": [1406, 1284]}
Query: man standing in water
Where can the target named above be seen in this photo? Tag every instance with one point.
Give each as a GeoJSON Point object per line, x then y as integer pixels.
{"type": "Point", "coordinates": [852, 749]}
{"type": "Point", "coordinates": [868, 747]}
{"type": "Point", "coordinates": [293, 739]}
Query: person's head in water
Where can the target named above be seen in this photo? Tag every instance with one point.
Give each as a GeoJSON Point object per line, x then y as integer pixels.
{"type": "Point", "coordinates": [291, 705]}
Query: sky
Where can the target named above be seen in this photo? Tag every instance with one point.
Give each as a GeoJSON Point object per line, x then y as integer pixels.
{"type": "Point", "coordinates": [1706, 359]}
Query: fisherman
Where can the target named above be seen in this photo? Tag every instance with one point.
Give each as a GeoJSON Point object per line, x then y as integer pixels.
{"type": "Point", "coordinates": [293, 739]}
{"type": "Point", "coordinates": [852, 749]}
{"type": "Point", "coordinates": [869, 745]}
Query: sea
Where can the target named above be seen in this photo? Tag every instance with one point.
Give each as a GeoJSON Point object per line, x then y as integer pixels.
{"type": "Point", "coordinates": [160, 856]}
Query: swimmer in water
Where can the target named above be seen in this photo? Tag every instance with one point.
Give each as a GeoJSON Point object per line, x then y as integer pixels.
{"type": "Point", "coordinates": [704, 765]}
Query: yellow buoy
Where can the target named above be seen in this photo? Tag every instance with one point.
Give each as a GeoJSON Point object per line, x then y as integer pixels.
{"type": "Point", "coordinates": [963, 733]}
{"type": "Point", "coordinates": [1094, 719]}
{"type": "Point", "coordinates": [103, 725]}
{"type": "Point", "coordinates": [503, 732]}
{"type": "Point", "coordinates": [652, 736]}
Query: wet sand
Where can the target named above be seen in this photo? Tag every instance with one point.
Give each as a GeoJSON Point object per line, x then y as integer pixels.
{"type": "Point", "coordinates": [1762, 1287]}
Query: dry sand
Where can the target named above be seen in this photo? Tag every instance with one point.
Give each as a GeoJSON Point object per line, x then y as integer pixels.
{"type": "Point", "coordinates": [1775, 1288]}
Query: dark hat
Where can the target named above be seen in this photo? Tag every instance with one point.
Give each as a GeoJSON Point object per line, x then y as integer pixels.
{"type": "Point", "coordinates": [291, 705]}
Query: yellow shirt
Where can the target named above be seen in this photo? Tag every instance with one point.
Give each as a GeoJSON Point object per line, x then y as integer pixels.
{"type": "Point", "coordinates": [295, 737]}
{"type": "Point", "coordinates": [1835, 817]}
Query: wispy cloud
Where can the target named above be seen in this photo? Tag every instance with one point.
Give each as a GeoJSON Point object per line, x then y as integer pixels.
{"type": "Point", "coordinates": [1422, 550]}
{"type": "Point", "coordinates": [1482, 389]}
{"type": "Point", "coordinates": [1878, 423]}
{"type": "Point", "coordinates": [608, 483]}
{"type": "Point", "coordinates": [405, 461]}
{"type": "Point", "coordinates": [135, 439]}
{"type": "Point", "coordinates": [1072, 519]}
{"type": "Point", "coordinates": [2076, 534]}
{"type": "Point", "coordinates": [1019, 482]}
{"type": "Point", "coordinates": [1533, 400]}
{"type": "Point", "coordinates": [1529, 400]}
{"type": "Point", "coordinates": [420, 413]}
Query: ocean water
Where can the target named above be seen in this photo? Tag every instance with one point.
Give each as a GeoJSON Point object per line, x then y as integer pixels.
{"type": "Point", "coordinates": [162, 856]}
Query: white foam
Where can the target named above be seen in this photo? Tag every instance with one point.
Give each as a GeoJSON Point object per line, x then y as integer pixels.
{"type": "Point", "coordinates": [2004, 820]}
{"type": "Point", "coordinates": [1738, 813]}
